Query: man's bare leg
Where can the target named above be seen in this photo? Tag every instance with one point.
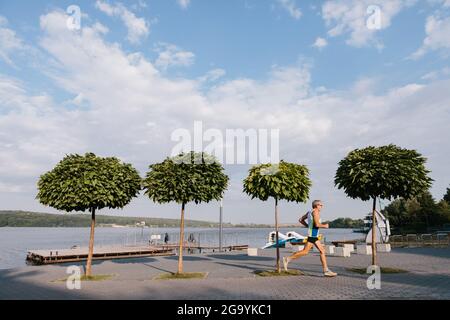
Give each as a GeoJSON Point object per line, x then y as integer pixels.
{"type": "Point", "coordinates": [323, 258]}
{"type": "Point", "coordinates": [327, 272]}
{"type": "Point", "coordinates": [297, 255]}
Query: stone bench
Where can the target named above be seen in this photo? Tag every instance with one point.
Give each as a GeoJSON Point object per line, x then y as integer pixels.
{"type": "Point", "coordinates": [297, 248]}
{"type": "Point", "coordinates": [363, 249]}
{"type": "Point", "coordinates": [383, 247]}
{"type": "Point", "coordinates": [330, 249]}
{"type": "Point", "coordinates": [342, 252]}
{"type": "Point", "coordinates": [350, 247]}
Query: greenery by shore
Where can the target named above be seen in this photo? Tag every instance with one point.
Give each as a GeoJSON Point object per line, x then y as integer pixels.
{"type": "Point", "coordinates": [17, 218]}
{"type": "Point", "coordinates": [12, 218]}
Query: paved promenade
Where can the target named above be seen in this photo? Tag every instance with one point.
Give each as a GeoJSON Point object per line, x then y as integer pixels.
{"type": "Point", "coordinates": [231, 276]}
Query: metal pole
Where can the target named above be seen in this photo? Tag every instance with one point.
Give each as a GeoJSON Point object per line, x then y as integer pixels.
{"type": "Point", "coordinates": [220, 226]}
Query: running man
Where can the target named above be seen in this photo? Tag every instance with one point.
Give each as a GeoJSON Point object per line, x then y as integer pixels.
{"type": "Point", "coordinates": [313, 225]}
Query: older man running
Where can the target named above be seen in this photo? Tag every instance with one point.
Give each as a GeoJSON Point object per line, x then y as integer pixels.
{"type": "Point", "coordinates": [313, 225]}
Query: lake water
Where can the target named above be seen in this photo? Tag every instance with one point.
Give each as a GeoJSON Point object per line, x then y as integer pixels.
{"type": "Point", "coordinates": [15, 242]}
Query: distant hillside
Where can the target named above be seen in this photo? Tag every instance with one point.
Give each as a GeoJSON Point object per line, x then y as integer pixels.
{"type": "Point", "coordinates": [10, 218]}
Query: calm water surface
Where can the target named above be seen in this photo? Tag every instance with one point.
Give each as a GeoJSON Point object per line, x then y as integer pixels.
{"type": "Point", "coordinates": [15, 242]}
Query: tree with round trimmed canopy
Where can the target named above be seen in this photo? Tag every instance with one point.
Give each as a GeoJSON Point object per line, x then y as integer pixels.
{"type": "Point", "coordinates": [89, 182]}
{"type": "Point", "coordinates": [385, 172]}
{"type": "Point", "coordinates": [282, 181]}
{"type": "Point", "coordinates": [188, 177]}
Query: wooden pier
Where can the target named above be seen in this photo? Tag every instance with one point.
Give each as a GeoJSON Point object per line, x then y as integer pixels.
{"type": "Point", "coordinates": [38, 257]}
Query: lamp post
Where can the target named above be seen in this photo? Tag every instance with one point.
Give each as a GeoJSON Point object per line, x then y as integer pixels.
{"type": "Point", "coordinates": [220, 225]}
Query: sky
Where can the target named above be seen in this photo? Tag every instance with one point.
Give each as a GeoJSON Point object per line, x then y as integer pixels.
{"type": "Point", "coordinates": [331, 76]}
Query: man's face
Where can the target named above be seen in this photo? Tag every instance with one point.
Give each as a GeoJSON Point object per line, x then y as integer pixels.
{"type": "Point", "coordinates": [319, 206]}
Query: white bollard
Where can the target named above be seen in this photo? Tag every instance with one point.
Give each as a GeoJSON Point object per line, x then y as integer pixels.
{"type": "Point", "coordinates": [350, 247]}
{"type": "Point", "coordinates": [363, 249]}
{"type": "Point", "coordinates": [297, 248]}
{"type": "Point", "coordinates": [330, 250]}
{"type": "Point", "coordinates": [383, 247]}
{"type": "Point", "coordinates": [342, 252]}
{"type": "Point", "coordinates": [252, 252]}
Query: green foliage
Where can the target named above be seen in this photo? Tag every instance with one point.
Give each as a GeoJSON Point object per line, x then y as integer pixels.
{"type": "Point", "coordinates": [447, 196]}
{"type": "Point", "coordinates": [88, 182]}
{"type": "Point", "coordinates": [386, 172]}
{"type": "Point", "coordinates": [283, 181]}
{"type": "Point", "coordinates": [346, 223]}
{"type": "Point", "coordinates": [196, 177]}
{"type": "Point", "coordinates": [418, 214]}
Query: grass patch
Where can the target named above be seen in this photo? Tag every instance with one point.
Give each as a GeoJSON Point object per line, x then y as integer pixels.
{"type": "Point", "coordinates": [274, 273]}
{"type": "Point", "coordinates": [184, 275]}
{"type": "Point", "coordinates": [95, 277]}
{"type": "Point", "coordinates": [385, 270]}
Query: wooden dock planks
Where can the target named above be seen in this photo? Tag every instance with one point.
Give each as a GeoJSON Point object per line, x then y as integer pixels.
{"type": "Point", "coordinates": [38, 257]}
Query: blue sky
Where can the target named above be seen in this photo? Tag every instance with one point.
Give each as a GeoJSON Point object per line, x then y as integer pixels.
{"type": "Point", "coordinates": [138, 70]}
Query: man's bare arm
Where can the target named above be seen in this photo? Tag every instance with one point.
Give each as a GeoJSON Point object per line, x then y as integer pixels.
{"type": "Point", "coordinates": [317, 224]}
{"type": "Point", "coordinates": [303, 219]}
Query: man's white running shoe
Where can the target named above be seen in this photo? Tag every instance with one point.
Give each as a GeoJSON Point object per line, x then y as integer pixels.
{"type": "Point", "coordinates": [285, 263]}
{"type": "Point", "coordinates": [329, 273]}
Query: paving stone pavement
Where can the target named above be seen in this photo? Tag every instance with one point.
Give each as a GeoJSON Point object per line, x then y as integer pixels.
{"type": "Point", "coordinates": [231, 276]}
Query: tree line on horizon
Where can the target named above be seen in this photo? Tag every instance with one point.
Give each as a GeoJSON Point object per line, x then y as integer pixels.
{"type": "Point", "coordinates": [16, 218]}
{"type": "Point", "coordinates": [20, 218]}
{"type": "Point", "coordinates": [91, 183]}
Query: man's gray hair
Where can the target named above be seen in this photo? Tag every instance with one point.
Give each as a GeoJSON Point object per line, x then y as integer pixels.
{"type": "Point", "coordinates": [315, 203]}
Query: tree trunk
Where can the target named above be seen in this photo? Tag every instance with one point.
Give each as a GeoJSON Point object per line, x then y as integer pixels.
{"type": "Point", "coordinates": [91, 245]}
{"type": "Point", "coordinates": [276, 236]}
{"type": "Point", "coordinates": [374, 223]}
{"type": "Point", "coordinates": [180, 249]}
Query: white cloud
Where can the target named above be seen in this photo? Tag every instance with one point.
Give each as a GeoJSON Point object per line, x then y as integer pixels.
{"type": "Point", "coordinates": [213, 75]}
{"type": "Point", "coordinates": [320, 43]}
{"type": "Point", "coordinates": [291, 7]}
{"type": "Point", "coordinates": [443, 3]}
{"type": "Point", "coordinates": [184, 3]}
{"type": "Point", "coordinates": [10, 44]}
{"type": "Point", "coordinates": [433, 75]}
{"type": "Point", "coordinates": [171, 55]}
{"type": "Point", "coordinates": [438, 36]}
{"type": "Point", "coordinates": [133, 108]}
{"type": "Point", "coordinates": [350, 16]}
{"type": "Point", "coordinates": [138, 28]}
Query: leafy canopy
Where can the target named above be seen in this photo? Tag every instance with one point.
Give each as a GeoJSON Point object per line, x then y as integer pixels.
{"type": "Point", "coordinates": [283, 181]}
{"type": "Point", "coordinates": [197, 177]}
{"type": "Point", "coordinates": [386, 172]}
{"type": "Point", "coordinates": [447, 196]}
{"type": "Point", "coordinates": [88, 182]}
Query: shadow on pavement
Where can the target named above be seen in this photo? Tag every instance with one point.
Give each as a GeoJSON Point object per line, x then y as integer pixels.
{"type": "Point", "coordinates": [188, 258]}
{"type": "Point", "coordinates": [426, 251]}
{"type": "Point", "coordinates": [240, 257]}
{"type": "Point", "coordinates": [20, 286]}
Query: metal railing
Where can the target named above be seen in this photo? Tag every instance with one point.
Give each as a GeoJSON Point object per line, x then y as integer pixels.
{"type": "Point", "coordinates": [420, 240]}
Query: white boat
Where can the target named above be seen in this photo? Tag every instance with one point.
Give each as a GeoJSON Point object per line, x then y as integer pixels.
{"type": "Point", "coordinates": [291, 237]}
{"type": "Point", "coordinates": [382, 228]}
